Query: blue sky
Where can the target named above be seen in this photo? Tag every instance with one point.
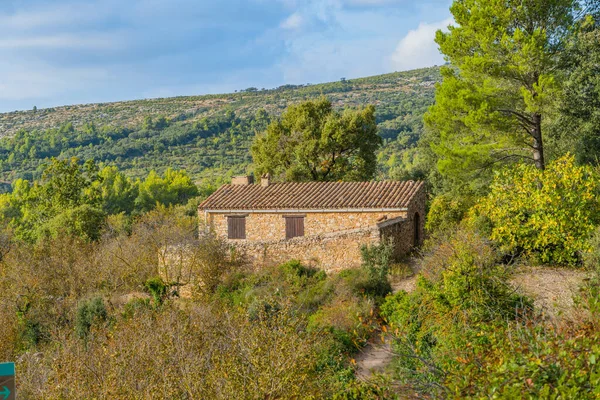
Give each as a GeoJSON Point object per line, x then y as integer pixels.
{"type": "Point", "coordinates": [57, 52]}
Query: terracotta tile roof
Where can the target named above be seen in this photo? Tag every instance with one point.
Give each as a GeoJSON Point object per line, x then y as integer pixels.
{"type": "Point", "coordinates": [313, 195]}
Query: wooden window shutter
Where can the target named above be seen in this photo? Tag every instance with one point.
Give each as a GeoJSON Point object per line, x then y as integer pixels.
{"type": "Point", "coordinates": [236, 227]}
{"type": "Point", "coordinates": [294, 227]}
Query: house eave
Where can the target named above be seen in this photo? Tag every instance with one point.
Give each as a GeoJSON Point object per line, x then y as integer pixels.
{"type": "Point", "coordinates": [304, 210]}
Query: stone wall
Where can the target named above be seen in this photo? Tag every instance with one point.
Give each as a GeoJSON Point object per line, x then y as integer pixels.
{"type": "Point", "coordinates": [271, 226]}
{"type": "Point", "coordinates": [400, 233]}
{"type": "Point", "coordinates": [331, 252]}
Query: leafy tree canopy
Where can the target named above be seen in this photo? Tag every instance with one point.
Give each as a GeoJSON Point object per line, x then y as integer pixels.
{"type": "Point", "coordinates": [578, 123]}
{"type": "Point", "coordinates": [502, 82]}
{"type": "Point", "coordinates": [75, 198]}
{"type": "Point", "coordinates": [312, 142]}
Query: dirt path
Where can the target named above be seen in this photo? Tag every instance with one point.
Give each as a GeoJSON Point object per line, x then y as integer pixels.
{"type": "Point", "coordinates": [373, 358]}
{"type": "Point", "coordinates": [377, 355]}
{"type": "Point", "coordinates": [552, 289]}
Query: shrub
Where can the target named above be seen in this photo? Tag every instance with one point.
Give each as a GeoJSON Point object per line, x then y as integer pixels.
{"type": "Point", "coordinates": [545, 215]}
{"type": "Point", "coordinates": [158, 289]}
{"type": "Point", "coordinates": [591, 288]}
{"type": "Point", "coordinates": [461, 287]}
{"type": "Point", "coordinates": [445, 212]}
{"type": "Point", "coordinates": [89, 313]}
{"type": "Point", "coordinates": [376, 261]}
{"type": "Point", "coordinates": [297, 274]}
{"type": "Point", "coordinates": [527, 361]}
{"type": "Point", "coordinates": [211, 263]}
{"type": "Point", "coordinates": [591, 258]}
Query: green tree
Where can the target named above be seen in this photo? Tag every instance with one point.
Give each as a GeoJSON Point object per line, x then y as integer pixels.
{"type": "Point", "coordinates": [175, 188]}
{"type": "Point", "coordinates": [64, 183]}
{"type": "Point", "coordinates": [578, 122]}
{"type": "Point", "coordinates": [84, 221]}
{"type": "Point", "coordinates": [502, 82]}
{"type": "Point", "coordinates": [118, 192]}
{"type": "Point", "coordinates": [313, 142]}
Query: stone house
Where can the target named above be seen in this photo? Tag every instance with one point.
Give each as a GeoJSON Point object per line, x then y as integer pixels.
{"type": "Point", "coordinates": [323, 224]}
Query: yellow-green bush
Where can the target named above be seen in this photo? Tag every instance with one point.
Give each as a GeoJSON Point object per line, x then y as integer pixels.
{"type": "Point", "coordinates": [446, 212]}
{"type": "Point", "coordinates": [545, 215]}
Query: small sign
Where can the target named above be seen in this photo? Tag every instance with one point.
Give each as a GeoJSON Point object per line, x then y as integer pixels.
{"type": "Point", "coordinates": [7, 381]}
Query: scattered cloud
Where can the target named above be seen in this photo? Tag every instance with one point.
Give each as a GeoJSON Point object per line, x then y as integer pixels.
{"type": "Point", "coordinates": [31, 82]}
{"type": "Point", "coordinates": [55, 52]}
{"type": "Point", "coordinates": [64, 41]}
{"type": "Point", "coordinates": [294, 21]}
{"type": "Point", "coordinates": [418, 48]}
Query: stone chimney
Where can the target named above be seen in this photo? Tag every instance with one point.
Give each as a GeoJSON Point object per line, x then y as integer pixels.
{"type": "Point", "coordinates": [242, 180]}
{"type": "Point", "coordinates": [265, 180]}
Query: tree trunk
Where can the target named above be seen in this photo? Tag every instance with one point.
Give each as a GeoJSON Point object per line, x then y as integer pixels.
{"type": "Point", "coordinates": [538, 146]}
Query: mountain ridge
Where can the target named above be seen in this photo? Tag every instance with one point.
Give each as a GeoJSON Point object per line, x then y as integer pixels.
{"type": "Point", "coordinates": [208, 135]}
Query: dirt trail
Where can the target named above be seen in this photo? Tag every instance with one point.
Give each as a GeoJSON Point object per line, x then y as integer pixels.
{"type": "Point", "coordinates": [552, 289]}
{"type": "Point", "coordinates": [374, 358]}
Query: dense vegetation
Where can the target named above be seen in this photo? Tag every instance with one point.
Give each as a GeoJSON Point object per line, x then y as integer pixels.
{"type": "Point", "coordinates": [209, 136]}
{"type": "Point", "coordinates": [76, 199]}
{"type": "Point", "coordinates": [514, 177]}
{"type": "Point", "coordinates": [94, 317]}
{"type": "Point", "coordinates": [93, 303]}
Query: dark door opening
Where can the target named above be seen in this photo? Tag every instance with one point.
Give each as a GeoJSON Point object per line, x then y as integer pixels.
{"type": "Point", "coordinates": [417, 230]}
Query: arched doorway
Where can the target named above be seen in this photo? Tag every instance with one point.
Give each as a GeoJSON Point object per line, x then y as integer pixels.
{"type": "Point", "coordinates": [417, 230]}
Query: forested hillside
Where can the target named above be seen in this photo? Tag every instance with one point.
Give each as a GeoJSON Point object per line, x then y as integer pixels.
{"type": "Point", "coordinates": [210, 135]}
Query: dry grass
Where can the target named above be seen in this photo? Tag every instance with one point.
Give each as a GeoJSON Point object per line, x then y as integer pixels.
{"type": "Point", "coordinates": [552, 289]}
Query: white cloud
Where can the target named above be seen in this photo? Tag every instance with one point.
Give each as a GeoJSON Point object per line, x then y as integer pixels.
{"type": "Point", "coordinates": [294, 21]}
{"type": "Point", "coordinates": [418, 49]}
{"type": "Point", "coordinates": [59, 15]}
{"type": "Point", "coordinates": [64, 41]}
{"type": "Point", "coordinates": [42, 81]}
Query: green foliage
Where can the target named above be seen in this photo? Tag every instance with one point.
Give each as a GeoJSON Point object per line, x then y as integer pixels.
{"type": "Point", "coordinates": [29, 330]}
{"type": "Point", "coordinates": [461, 288]}
{"type": "Point", "coordinates": [504, 78]}
{"type": "Point", "coordinates": [175, 188]}
{"type": "Point", "coordinates": [118, 193]}
{"type": "Point", "coordinates": [374, 389]}
{"type": "Point", "coordinates": [89, 313]}
{"type": "Point", "coordinates": [74, 199]}
{"type": "Point", "coordinates": [376, 262]}
{"type": "Point", "coordinates": [158, 289]}
{"type": "Point", "coordinates": [577, 127]}
{"type": "Point", "coordinates": [591, 260]}
{"type": "Point", "coordinates": [313, 142]}
{"type": "Point", "coordinates": [84, 221]}
{"type": "Point", "coordinates": [446, 212]}
{"type": "Point", "coordinates": [546, 215]}
{"type": "Point", "coordinates": [299, 275]}
{"type": "Point", "coordinates": [527, 361]}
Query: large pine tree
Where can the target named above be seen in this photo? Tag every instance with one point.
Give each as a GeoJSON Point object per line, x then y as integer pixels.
{"type": "Point", "coordinates": [503, 78]}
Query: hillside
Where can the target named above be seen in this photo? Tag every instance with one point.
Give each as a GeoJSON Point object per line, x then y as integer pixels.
{"type": "Point", "coordinates": [207, 135]}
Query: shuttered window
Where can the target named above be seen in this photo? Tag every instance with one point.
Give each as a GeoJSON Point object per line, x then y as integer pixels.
{"type": "Point", "coordinates": [294, 227]}
{"type": "Point", "coordinates": [236, 227]}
